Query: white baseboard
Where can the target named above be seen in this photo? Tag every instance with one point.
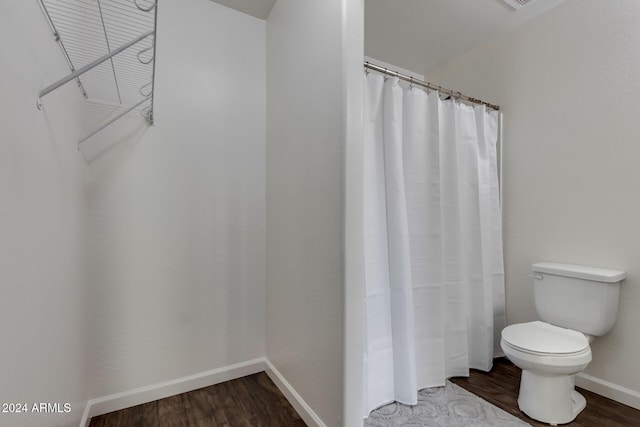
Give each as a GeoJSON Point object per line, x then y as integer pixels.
{"type": "Point", "coordinates": [298, 403]}
{"type": "Point", "coordinates": [117, 401]}
{"type": "Point", "coordinates": [612, 391]}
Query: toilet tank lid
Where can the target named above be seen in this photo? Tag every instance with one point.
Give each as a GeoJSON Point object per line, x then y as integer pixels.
{"type": "Point", "coordinates": [578, 271]}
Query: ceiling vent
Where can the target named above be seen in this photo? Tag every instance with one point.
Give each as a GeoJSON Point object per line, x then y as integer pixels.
{"type": "Point", "coordinates": [518, 4]}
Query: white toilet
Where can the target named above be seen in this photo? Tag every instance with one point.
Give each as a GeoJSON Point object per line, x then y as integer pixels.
{"type": "Point", "coordinates": [575, 304]}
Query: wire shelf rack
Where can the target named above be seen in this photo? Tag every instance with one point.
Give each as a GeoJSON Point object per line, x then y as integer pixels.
{"type": "Point", "coordinates": [110, 48]}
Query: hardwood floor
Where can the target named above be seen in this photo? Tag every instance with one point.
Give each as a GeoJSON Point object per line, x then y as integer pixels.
{"type": "Point", "coordinates": [256, 401]}
{"type": "Point", "coordinates": [249, 401]}
{"type": "Point", "coordinates": [500, 387]}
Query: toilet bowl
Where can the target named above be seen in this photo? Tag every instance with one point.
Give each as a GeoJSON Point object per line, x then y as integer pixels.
{"type": "Point", "coordinates": [549, 357]}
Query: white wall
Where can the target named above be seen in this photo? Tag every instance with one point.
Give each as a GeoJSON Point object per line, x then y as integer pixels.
{"type": "Point", "coordinates": [177, 272]}
{"type": "Point", "coordinates": [568, 85]}
{"type": "Point", "coordinates": [42, 219]}
{"type": "Point", "coordinates": [354, 285]}
{"type": "Point", "coordinates": [307, 72]}
{"type": "Point", "coordinates": [171, 279]}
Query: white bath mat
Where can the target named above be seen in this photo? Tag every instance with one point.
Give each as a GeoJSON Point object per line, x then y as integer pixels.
{"type": "Point", "coordinates": [449, 406]}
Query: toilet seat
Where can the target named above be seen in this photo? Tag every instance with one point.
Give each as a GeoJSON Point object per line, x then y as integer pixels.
{"type": "Point", "coordinates": [542, 339]}
{"type": "Point", "coordinates": [547, 359]}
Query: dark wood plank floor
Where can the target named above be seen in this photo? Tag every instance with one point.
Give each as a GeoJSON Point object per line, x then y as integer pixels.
{"type": "Point", "coordinates": [256, 401]}
{"type": "Point", "coordinates": [249, 401]}
{"type": "Point", "coordinates": [500, 387]}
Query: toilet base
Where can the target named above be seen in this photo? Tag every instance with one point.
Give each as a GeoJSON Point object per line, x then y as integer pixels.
{"type": "Point", "coordinates": [550, 399]}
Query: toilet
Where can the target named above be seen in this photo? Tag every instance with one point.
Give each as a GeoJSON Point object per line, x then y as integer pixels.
{"type": "Point", "coordinates": [575, 304]}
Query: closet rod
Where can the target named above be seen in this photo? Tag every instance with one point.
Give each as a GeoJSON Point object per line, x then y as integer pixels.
{"type": "Point", "coordinates": [88, 67]}
{"type": "Point", "coordinates": [439, 89]}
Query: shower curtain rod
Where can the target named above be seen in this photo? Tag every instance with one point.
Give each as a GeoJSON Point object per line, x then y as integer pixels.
{"type": "Point", "coordinates": [439, 89]}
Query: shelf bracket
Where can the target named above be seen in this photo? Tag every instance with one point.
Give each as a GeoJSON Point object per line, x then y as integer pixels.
{"type": "Point", "coordinates": [104, 125]}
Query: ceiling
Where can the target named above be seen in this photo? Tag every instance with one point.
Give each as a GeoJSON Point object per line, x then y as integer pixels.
{"type": "Point", "coordinates": [258, 8]}
{"type": "Point", "coordinates": [419, 35]}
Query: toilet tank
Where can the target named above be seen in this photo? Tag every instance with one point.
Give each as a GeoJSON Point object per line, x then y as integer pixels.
{"type": "Point", "coordinates": [577, 297]}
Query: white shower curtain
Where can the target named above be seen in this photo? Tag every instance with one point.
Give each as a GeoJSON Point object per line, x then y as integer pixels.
{"type": "Point", "coordinates": [433, 246]}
